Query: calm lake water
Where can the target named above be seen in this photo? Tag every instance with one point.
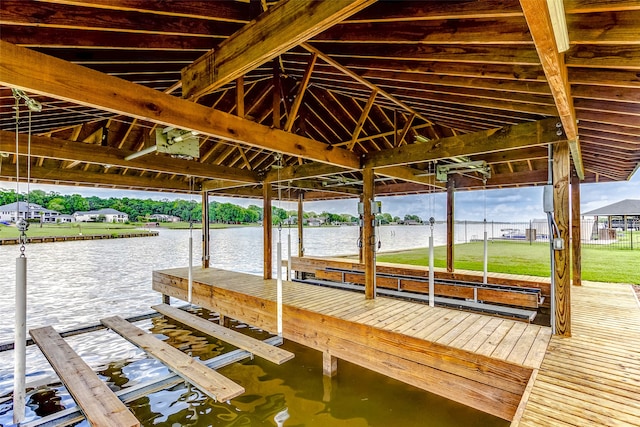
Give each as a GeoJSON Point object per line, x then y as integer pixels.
{"type": "Point", "coordinates": [71, 284]}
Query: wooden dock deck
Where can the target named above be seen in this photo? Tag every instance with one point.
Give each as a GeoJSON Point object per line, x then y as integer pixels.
{"type": "Point", "coordinates": [481, 361]}
{"type": "Point", "coordinates": [592, 378]}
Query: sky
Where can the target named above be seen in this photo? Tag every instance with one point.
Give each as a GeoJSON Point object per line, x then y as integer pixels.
{"type": "Point", "coordinates": [508, 205]}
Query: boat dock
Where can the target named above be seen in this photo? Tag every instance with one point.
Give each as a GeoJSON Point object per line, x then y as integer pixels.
{"type": "Point", "coordinates": [51, 239]}
{"type": "Point", "coordinates": [481, 361]}
{"type": "Point", "coordinates": [514, 370]}
{"type": "Point", "coordinates": [593, 377]}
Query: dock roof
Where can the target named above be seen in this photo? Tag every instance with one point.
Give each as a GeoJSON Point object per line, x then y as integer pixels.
{"type": "Point", "coordinates": [623, 207]}
{"type": "Point", "coordinates": [331, 86]}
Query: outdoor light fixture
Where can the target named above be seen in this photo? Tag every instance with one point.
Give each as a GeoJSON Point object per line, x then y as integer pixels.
{"type": "Point", "coordinates": [559, 23]}
{"type": "Point", "coordinates": [422, 139]}
{"type": "Point", "coordinates": [177, 142]}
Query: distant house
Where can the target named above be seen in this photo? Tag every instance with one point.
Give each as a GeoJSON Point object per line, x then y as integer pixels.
{"type": "Point", "coordinates": [31, 211]}
{"type": "Point", "coordinates": [65, 218]}
{"type": "Point", "coordinates": [164, 218]}
{"type": "Point", "coordinates": [110, 215]}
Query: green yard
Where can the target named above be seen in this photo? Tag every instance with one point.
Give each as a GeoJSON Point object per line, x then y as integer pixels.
{"type": "Point", "coordinates": [70, 229]}
{"type": "Point", "coordinates": [598, 264]}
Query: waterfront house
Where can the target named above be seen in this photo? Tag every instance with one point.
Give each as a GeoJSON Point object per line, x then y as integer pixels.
{"type": "Point", "coordinates": [101, 215]}
{"type": "Point", "coordinates": [29, 211]}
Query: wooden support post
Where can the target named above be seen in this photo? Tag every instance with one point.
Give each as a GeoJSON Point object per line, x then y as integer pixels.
{"type": "Point", "coordinates": [361, 235]}
{"type": "Point", "coordinates": [300, 224]}
{"type": "Point", "coordinates": [561, 175]}
{"type": "Point", "coordinates": [576, 231]}
{"type": "Point", "coordinates": [240, 97]}
{"type": "Point", "coordinates": [267, 227]}
{"type": "Point", "coordinates": [166, 299]}
{"type": "Point", "coordinates": [450, 223]}
{"type": "Point", "coordinates": [368, 235]}
{"type": "Point", "coordinates": [329, 364]}
{"type": "Point", "coordinates": [205, 230]}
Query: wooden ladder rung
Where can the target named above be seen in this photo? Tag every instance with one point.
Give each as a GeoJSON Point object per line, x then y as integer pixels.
{"type": "Point", "coordinates": [210, 382]}
{"type": "Point", "coordinates": [244, 342]}
{"type": "Point", "coordinates": [100, 405]}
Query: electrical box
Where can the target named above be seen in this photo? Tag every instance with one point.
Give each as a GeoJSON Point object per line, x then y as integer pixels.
{"type": "Point", "coordinates": [376, 208]}
{"type": "Point", "coordinates": [558, 244]}
{"type": "Point", "coordinates": [547, 199]}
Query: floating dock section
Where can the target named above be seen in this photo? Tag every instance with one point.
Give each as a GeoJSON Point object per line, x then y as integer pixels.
{"type": "Point", "coordinates": [481, 361]}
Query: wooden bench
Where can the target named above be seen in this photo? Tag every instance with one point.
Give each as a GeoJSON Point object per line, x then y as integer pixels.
{"type": "Point", "coordinates": [496, 310]}
{"type": "Point", "coordinates": [210, 382]}
{"type": "Point", "coordinates": [244, 342]}
{"type": "Point", "coordinates": [415, 279]}
{"type": "Point", "coordinates": [101, 407]}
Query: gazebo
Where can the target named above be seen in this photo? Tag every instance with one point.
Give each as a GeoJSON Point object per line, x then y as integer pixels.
{"type": "Point", "coordinates": [624, 214]}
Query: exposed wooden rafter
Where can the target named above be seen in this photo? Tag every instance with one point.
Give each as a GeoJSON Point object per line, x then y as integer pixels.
{"type": "Point", "coordinates": [60, 149]}
{"type": "Point", "coordinates": [22, 67]}
{"type": "Point", "coordinates": [505, 138]}
{"type": "Point", "coordinates": [539, 21]}
{"type": "Point", "coordinates": [363, 81]}
{"type": "Point", "coordinates": [277, 30]}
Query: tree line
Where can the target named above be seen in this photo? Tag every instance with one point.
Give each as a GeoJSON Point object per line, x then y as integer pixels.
{"type": "Point", "coordinates": [186, 210]}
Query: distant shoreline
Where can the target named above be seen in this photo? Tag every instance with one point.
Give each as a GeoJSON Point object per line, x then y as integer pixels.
{"type": "Point", "coordinates": [69, 238]}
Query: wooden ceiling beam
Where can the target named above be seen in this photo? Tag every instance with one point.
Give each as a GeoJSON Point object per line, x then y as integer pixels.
{"type": "Point", "coordinates": [22, 68]}
{"type": "Point", "coordinates": [626, 57]}
{"type": "Point", "coordinates": [277, 30]}
{"type": "Point", "coordinates": [57, 176]}
{"type": "Point", "coordinates": [363, 118]}
{"type": "Point", "coordinates": [506, 138]}
{"type": "Point", "coordinates": [297, 102]}
{"type": "Point", "coordinates": [304, 171]}
{"type": "Point", "coordinates": [431, 10]}
{"type": "Point", "coordinates": [80, 18]}
{"type": "Point", "coordinates": [407, 174]}
{"type": "Point", "coordinates": [225, 11]}
{"type": "Point", "coordinates": [60, 149]}
{"type": "Point", "coordinates": [539, 21]}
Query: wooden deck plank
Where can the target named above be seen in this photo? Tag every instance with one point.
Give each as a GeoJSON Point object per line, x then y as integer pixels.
{"type": "Point", "coordinates": [523, 346]}
{"type": "Point", "coordinates": [474, 344]}
{"type": "Point", "coordinates": [100, 405]}
{"type": "Point", "coordinates": [457, 330]}
{"type": "Point", "coordinates": [593, 377]}
{"type": "Point", "coordinates": [210, 382]}
{"type": "Point", "coordinates": [509, 342]}
{"type": "Point", "coordinates": [495, 339]}
{"type": "Point", "coordinates": [266, 351]}
{"type": "Point", "coordinates": [375, 333]}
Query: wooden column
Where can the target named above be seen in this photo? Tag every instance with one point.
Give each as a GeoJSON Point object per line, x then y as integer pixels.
{"type": "Point", "coordinates": [361, 235]}
{"type": "Point", "coordinates": [267, 227]}
{"type": "Point", "coordinates": [561, 176]}
{"type": "Point", "coordinates": [206, 248]}
{"type": "Point", "coordinates": [450, 223]}
{"type": "Point", "coordinates": [329, 364]}
{"type": "Point", "coordinates": [368, 235]}
{"type": "Point", "coordinates": [576, 231]}
{"type": "Point", "coordinates": [300, 225]}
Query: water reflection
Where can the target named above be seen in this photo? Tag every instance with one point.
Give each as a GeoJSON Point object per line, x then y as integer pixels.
{"type": "Point", "coordinates": [77, 283]}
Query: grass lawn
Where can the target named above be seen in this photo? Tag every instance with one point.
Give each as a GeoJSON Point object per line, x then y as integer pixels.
{"type": "Point", "coordinates": [70, 229]}
{"type": "Point", "coordinates": [598, 264]}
